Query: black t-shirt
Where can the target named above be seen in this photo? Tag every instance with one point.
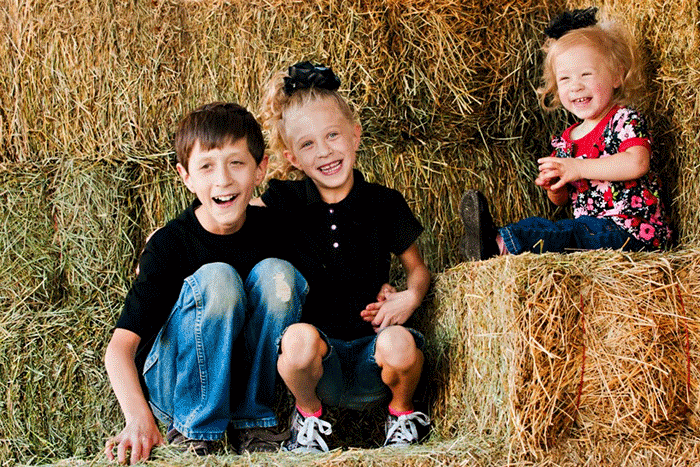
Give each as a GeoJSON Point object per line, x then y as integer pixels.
{"type": "Point", "coordinates": [346, 248]}
{"type": "Point", "coordinates": [180, 248]}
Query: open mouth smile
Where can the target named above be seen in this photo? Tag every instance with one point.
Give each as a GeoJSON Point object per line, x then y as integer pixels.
{"type": "Point", "coordinates": [331, 168]}
{"type": "Point", "coordinates": [224, 199]}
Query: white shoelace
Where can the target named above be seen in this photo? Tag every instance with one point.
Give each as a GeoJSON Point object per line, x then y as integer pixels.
{"type": "Point", "coordinates": [311, 430]}
{"type": "Point", "coordinates": [403, 431]}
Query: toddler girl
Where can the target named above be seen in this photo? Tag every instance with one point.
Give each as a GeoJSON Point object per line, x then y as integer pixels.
{"type": "Point", "coordinates": [600, 164]}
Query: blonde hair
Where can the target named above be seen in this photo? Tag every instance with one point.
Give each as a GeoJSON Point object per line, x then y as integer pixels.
{"type": "Point", "coordinates": [275, 106]}
{"type": "Point", "coordinates": [612, 41]}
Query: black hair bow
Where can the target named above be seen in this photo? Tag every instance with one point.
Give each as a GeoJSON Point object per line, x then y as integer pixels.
{"type": "Point", "coordinates": [304, 75]}
{"type": "Point", "coordinates": [570, 20]}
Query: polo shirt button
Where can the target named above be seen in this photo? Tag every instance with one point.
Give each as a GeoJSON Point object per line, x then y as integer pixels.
{"type": "Point", "coordinates": [333, 227]}
{"type": "Point", "coordinates": [335, 245]}
{"type": "Point", "coordinates": [331, 210]}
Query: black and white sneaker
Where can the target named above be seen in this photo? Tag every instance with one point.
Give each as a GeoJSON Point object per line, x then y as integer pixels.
{"type": "Point", "coordinates": [479, 239]}
{"type": "Point", "coordinates": [404, 430]}
{"type": "Point", "coordinates": [307, 434]}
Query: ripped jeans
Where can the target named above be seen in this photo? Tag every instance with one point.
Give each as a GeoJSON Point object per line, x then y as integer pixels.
{"type": "Point", "coordinates": [214, 362]}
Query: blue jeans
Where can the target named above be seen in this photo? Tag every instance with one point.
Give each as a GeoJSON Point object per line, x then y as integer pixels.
{"type": "Point", "coordinates": [538, 235]}
{"type": "Point", "coordinates": [351, 377]}
{"type": "Point", "coordinates": [193, 369]}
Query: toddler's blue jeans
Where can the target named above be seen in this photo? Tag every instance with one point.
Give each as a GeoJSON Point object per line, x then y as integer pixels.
{"type": "Point", "coordinates": [199, 374]}
{"type": "Point", "coordinates": [538, 235]}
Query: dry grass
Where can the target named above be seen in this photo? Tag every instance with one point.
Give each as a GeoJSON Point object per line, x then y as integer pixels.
{"type": "Point", "coordinates": [592, 345]}
{"type": "Point", "coordinates": [89, 95]}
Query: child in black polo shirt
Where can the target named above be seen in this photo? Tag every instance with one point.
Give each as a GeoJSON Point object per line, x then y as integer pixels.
{"type": "Point", "coordinates": [351, 349]}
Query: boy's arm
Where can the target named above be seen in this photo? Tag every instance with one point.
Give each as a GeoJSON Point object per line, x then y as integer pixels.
{"type": "Point", "coordinates": [141, 432]}
{"type": "Point", "coordinates": [397, 307]}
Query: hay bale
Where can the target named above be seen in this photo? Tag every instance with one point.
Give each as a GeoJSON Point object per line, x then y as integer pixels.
{"type": "Point", "coordinates": [29, 272]}
{"type": "Point", "coordinates": [94, 211]}
{"type": "Point", "coordinates": [160, 194]}
{"type": "Point", "coordinates": [634, 373]}
{"type": "Point", "coordinates": [546, 344]}
{"type": "Point", "coordinates": [687, 267]}
{"type": "Point", "coordinates": [507, 359]}
{"type": "Point", "coordinates": [56, 401]}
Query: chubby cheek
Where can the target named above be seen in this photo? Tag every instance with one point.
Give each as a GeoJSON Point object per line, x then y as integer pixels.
{"type": "Point", "coordinates": [562, 93]}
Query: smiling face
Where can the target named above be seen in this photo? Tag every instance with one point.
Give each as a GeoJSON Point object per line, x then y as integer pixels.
{"type": "Point", "coordinates": [223, 180]}
{"type": "Point", "coordinates": [322, 143]}
{"type": "Point", "coordinates": [585, 83]}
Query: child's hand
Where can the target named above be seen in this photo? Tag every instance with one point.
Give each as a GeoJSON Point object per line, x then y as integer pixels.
{"type": "Point", "coordinates": [139, 437]}
{"type": "Point", "coordinates": [563, 169]}
{"type": "Point", "coordinates": [395, 308]}
{"type": "Point", "coordinates": [384, 291]}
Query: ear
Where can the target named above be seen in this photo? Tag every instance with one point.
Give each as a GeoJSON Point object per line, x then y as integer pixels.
{"type": "Point", "coordinates": [619, 77]}
{"type": "Point", "coordinates": [261, 170]}
{"type": "Point", "coordinates": [185, 176]}
{"type": "Point", "coordinates": [289, 155]}
{"type": "Point", "coordinates": [357, 133]}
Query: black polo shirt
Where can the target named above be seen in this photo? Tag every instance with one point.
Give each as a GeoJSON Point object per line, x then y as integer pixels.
{"type": "Point", "coordinates": [345, 248]}
{"type": "Point", "coordinates": [182, 246]}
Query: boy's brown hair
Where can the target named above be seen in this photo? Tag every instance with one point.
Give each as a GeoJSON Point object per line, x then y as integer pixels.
{"type": "Point", "coordinates": [215, 125]}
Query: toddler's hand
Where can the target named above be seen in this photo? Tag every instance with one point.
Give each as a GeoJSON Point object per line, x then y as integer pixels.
{"type": "Point", "coordinates": [553, 168]}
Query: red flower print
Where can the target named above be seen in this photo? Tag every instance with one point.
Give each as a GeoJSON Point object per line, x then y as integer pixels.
{"type": "Point", "coordinates": [647, 231]}
{"type": "Point", "coordinates": [649, 198]}
{"type": "Point", "coordinates": [608, 197]}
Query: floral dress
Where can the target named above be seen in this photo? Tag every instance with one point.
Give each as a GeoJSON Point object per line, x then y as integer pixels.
{"type": "Point", "coordinates": [634, 205]}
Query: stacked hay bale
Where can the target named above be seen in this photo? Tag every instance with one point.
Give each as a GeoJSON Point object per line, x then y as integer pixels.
{"type": "Point", "coordinates": [593, 344]}
{"type": "Point", "coordinates": [89, 96]}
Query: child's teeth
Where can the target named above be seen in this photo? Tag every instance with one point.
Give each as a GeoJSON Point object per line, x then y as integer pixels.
{"type": "Point", "coordinates": [329, 167]}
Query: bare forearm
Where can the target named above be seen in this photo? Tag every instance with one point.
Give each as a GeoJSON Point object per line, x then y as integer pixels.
{"type": "Point", "coordinates": [124, 378]}
{"type": "Point", "coordinates": [619, 167]}
{"type": "Point", "coordinates": [418, 282]}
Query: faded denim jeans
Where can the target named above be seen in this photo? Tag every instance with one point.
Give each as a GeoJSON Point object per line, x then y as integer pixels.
{"type": "Point", "coordinates": [199, 374]}
{"type": "Point", "coordinates": [538, 235]}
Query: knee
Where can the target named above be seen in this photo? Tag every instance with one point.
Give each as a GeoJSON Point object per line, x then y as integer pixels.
{"type": "Point", "coordinates": [301, 347]}
{"type": "Point", "coordinates": [220, 287]}
{"type": "Point", "coordinates": [277, 281]}
{"type": "Point", "coordinates": [397, 348]}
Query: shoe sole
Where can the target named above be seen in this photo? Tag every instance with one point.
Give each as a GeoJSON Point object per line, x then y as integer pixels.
{"type": "Point", "coordinates": [470, 243]}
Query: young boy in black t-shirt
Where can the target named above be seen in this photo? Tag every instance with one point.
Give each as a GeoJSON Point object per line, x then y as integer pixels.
{"type": "Point", "coordinates": [210, 292]}
{"type": "Point", "coordinates": [351, 349]}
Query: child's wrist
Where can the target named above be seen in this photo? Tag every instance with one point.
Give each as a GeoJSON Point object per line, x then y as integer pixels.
{"type": "Point", "coordinates": [415, 299]}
